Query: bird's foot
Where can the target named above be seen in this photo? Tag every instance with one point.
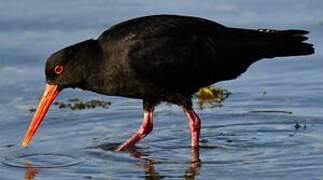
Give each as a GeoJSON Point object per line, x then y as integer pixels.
{"type": "Point", "coordinates": [145, 128]}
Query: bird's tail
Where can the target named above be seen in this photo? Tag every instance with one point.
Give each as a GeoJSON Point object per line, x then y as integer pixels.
{"type": "Point", "coordinates": [268, 43]}
{"type": "Point", "coordinates": [280, 43]}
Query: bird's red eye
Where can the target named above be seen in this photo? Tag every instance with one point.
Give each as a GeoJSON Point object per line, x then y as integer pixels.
{"type": "Point", "coordinates": [59, 69]}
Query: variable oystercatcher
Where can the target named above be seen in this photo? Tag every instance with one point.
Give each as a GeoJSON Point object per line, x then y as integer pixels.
{"type": "Point", "coordinates": [162, 58]}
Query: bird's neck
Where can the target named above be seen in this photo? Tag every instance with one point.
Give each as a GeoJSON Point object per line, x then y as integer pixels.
{"type": "Point", "coordinates": [107, 72]}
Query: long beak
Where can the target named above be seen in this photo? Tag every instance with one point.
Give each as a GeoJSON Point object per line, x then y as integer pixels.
{"type": "Point", "coordinates": [50, 93]}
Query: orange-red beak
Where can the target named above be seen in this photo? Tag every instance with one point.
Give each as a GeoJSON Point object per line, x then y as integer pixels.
{"type": "Point", "coordinates": [50, 93]}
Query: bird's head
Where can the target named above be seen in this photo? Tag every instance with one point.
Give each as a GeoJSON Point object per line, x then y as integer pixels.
{"type": "Point", "coordinates": [68, 67]}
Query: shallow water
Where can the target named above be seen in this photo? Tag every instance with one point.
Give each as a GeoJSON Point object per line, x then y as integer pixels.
{"type": "Point", "coordinates": [247, 138]}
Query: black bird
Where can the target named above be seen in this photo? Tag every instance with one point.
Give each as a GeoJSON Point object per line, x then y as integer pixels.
{"type": "Point", "coordinates": [162, 58]}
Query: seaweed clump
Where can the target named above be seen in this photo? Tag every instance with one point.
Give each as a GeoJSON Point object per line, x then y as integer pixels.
{"type": "Point", "coordinates": [214, 96]}
{"type": "Point", "coordinates": [77, 104]}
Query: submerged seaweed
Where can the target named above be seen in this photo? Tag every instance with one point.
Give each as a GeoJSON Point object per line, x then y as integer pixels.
{"type": "Point", "coordinates": [77, 104]}
{"type": "Point", "coordinates": [31, 109]}
{"type": "Point", "coordinates": [213, 96]}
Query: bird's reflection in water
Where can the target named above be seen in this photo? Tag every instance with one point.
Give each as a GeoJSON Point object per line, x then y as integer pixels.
{"type": "Point", "coordinates": [191, 171]}
{"type": "Point", "coordinates": [30, 171]}
{"type": "Point", "coordinates": [151, 174]}
{"type": "Point", "coordinates": [194, 165]}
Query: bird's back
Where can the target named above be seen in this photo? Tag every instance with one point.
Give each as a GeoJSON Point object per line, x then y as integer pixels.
{"type": "Point", "coordinates": [158, 26]}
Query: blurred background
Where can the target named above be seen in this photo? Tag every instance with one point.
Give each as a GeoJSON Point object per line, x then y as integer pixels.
{"type": "Point", "coordinates": [269, 127]}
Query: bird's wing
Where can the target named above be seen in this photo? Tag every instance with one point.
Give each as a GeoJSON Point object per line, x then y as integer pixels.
{"type": "Point", "coordinates": [176, 63]}
{"type": "Point", "coordinates": [176, 52]}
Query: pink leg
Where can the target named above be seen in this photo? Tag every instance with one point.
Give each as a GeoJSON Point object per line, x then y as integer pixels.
{"type": "Point", "coordinates": [195, 126]}
{"type": "Point", "coordinates": [145, 128]}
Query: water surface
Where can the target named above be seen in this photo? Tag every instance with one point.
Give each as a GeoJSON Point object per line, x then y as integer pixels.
{"type": "Point", "coordinates": [236, 140]}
